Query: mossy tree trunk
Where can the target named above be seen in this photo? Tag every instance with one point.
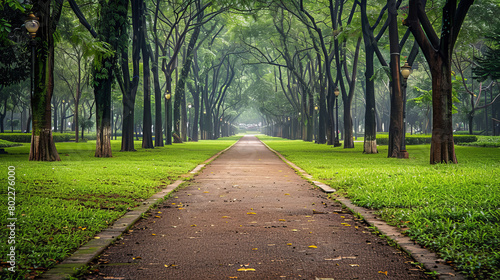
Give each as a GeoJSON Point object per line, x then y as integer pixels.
{"type": "Point", "coordinates": [42, 146]}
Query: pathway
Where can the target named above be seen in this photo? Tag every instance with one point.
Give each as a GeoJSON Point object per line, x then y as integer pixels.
{"type": "Point", "coordinates": [250, 216]}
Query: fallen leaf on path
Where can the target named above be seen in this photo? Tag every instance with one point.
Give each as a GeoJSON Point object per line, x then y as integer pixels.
{"type": "Point", "coordinates": [180, 208]}
{"type": "Point", "coordinates": [345, 224]}
{"type": "Point", "coordinates": [225, 217]}
{"type": "Point", "coordinates": [294, 230]}
{"type": "Point", "coordinates": [137, 258]}
{"type": "Point", "coordinates": [153, 234]}
{"type": "Point", "coordinates": [313, 246]}
{"type": "Point", "coordinates": [246, 269]}
{"type": "Point", "coordinates": [254, 249]}
{"type": "Point", "coordinates": [354, 265]}
{"type": "Point", "coordinates": [289, 244]}
{"type": "Point", "coordinates": [287, 194]}
{"type": "Point", "coordinates": [282, 220]}
{"type": "Point", "coordinates": [334, 259]}
{"type": "Point", "coordinates": [251, 213]}
{"type": "Point", "coordinates": [233, 277]}
{"type": "Point", "coordinates": [383, 272]}
{"type": "Point", "coordinates": [193, 225]}
{"type": "Point", "coordinates": [206, 192]}
{"type": "Point", "coordinates": [157, 216]}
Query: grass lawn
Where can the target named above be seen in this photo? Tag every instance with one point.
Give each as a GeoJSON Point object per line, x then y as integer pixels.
{"type": "Point", "coordinates": [452, 209]}
{"type": "Point", "coordinates": [61, 205]}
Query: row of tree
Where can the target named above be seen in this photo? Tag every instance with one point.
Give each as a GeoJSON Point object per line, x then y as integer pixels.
{"type": "Point", "coordinates": [319, 47]}
{"type": "Point", "coordinates": [294, 61]}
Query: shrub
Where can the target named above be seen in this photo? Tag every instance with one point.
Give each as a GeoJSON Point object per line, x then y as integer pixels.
{"type": "Point", "coordinates": [26, 137]}
{"type": "Point", "coordinates": [426, 139]}
{"type": "Point", "coordinates": [6, 144]}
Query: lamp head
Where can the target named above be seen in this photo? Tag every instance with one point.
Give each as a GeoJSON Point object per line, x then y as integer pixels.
{"type": "Point", "coordinates": [406, 70]}
{"type": "Point", "coordinates": [31, 23]}
{"type": "Point", "coordinates": [167, 96]}
{"type": "Point", "coordinates": [336, 91]}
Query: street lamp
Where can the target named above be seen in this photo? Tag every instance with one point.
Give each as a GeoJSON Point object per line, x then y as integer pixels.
{"type": "Point", "coordinates": [168, 119]}
{"type": "Point", "coordinates": [336, 92]}
{"type": "Point", "coordinates": [405, 72]}
{"type": "Point", "coordinates": [190, 124]}
{"type": "Point", "coordinates": [315, 123]}
{"type": "Point", "coordinates": [31, 23]}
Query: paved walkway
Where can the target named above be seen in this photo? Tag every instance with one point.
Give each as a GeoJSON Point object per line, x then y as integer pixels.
{"type": "Point", "coordinates": [249, 216]}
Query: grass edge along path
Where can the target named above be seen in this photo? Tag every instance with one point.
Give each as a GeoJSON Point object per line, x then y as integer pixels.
{"type": "Point", "coordinates": [62, 205]}
{"type": "Point", "coordinates": [451, 209]}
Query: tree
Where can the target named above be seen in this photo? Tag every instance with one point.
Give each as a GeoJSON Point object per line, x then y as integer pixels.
{"type": "Point", "coordinates": [112, 16]}
{"type": "Point", "coordinates": [72, 63]}
{"type": "Point", "coordinates": [147, 137]}
{"type": "Point", "coordinates": [42, 146]}
{"type": "Point", "coordinates": [186, 67]}
{"type": "Point", "coordinates": [438, 52]}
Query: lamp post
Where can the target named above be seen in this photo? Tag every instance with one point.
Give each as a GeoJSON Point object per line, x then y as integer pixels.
{"type": "Point", "coordinates": [405, 72]}
{"type": "Point", "coordinates": [32, 24]}
{"type": "Point", "coordinates": [168, 125]}
{"type": "Point", "coordinates": [336, 143]}
{"type": "Point", "coordinates": [190, 124]}
{"type": "Point", "coordinates": [315, 124]}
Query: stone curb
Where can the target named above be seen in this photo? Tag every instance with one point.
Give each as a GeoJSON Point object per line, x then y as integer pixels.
{"type": "Point", "coordinates": [92, 249]}
{"type": "Point", "coordinates": [428, 259]}
{"type": "Point", "coordinates": [304, 174]}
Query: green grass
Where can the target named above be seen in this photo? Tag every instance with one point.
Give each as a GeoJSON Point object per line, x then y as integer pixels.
{"type": "Point", "coordinates": [61, 205]}
{"type": "Point", "coordinates": [452, 209]}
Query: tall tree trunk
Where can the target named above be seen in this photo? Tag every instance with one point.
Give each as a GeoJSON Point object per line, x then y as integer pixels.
{"type": "Point", "coordinates": [103, 76]}
{"type": "Point", "coordinates": [156, 81]}
{"type": "Point", "coordinates": [370, 141]}
{"type": "Point", "coordinates": [129, 87]}
{"type": "Point", "coordinates": [396, 117]}
{"type": "Point", "coordinates": [147, 134]}
{"type": "Point", "coordinates": [42, 146]}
